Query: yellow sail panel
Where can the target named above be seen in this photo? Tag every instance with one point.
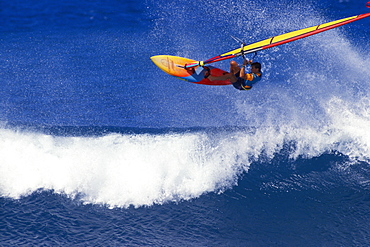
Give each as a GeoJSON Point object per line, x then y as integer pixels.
{"type": "Point", "coordinates": [257, 44]}
{"type": "Point", "coordinates": [293, 34]}
{"type": "Point", "coordinates": [249, 47]}
{"type": "Point", "coordinates": [336, 22]}
{"type": "Point", "coordinates": [286, 36]}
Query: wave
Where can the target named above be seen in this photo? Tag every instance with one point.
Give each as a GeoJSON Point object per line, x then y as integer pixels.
{"type": "Point", "coordinates": [114, 169]}
{"type": "Point", "coordinates": [122, 170]}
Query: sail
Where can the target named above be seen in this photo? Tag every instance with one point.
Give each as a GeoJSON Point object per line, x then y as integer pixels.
{"type": "Point", "coordinates": [280, 39]}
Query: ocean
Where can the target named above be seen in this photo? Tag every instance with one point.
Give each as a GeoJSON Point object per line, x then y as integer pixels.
{"type": "Point", "coordinates": [99, 147]}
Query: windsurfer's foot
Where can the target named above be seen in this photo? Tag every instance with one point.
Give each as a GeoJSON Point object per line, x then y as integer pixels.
{"type": "Point", "coordinates": [190, 70]}
{"type": "Point", "coordinates": [207, 72]}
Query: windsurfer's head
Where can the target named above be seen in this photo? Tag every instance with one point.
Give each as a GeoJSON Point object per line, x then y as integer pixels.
{"type": "Point", "coordinates": [257, 66]}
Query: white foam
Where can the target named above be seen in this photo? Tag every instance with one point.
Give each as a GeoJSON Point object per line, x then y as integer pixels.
{"type": "Point", "coordinates": [118, 170]}
{"type": "Point", "coordinates": [123, 170]}
{"type": "Point", "coordinates": [351, 122]}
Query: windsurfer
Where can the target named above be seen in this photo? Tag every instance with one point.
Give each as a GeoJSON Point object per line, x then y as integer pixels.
{"type": "Point", "coordinates": [238, 77]}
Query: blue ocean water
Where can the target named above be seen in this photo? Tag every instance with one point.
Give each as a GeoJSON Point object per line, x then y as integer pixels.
{"type": "Point", "coordinates": [98, 147]}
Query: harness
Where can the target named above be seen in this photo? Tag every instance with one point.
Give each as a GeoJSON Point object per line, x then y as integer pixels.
{"type": "Point", "coordinates": [241, 82]}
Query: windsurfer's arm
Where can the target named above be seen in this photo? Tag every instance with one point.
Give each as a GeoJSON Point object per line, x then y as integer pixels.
{"type": "Point", "coordinates": [242, 71]}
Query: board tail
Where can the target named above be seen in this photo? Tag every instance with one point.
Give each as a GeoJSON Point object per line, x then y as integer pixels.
{"type": "Point", "coordinates": [176, 66]}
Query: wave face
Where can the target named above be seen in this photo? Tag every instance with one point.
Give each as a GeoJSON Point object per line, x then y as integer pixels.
{"type": "Point", "coordinates": [97, 144]}
{"type": "Point", "coordinates": [121, 169]}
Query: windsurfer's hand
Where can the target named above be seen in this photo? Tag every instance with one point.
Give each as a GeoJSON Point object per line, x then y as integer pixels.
{"type": "Point", "coordinates": [247, 62]}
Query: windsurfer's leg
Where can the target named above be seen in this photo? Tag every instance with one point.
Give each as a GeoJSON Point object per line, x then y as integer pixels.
{"type": "Point", "coordinates": [227, 76]}
{"type": "Point", "coordinates": [234, 67]}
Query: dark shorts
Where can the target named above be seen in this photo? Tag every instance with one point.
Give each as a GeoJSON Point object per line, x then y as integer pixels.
{"type": "Point", "coordinates": [239, 83]}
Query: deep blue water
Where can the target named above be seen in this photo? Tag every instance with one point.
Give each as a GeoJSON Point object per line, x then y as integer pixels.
{"type": "Point", "coordinates": [98, 147]}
